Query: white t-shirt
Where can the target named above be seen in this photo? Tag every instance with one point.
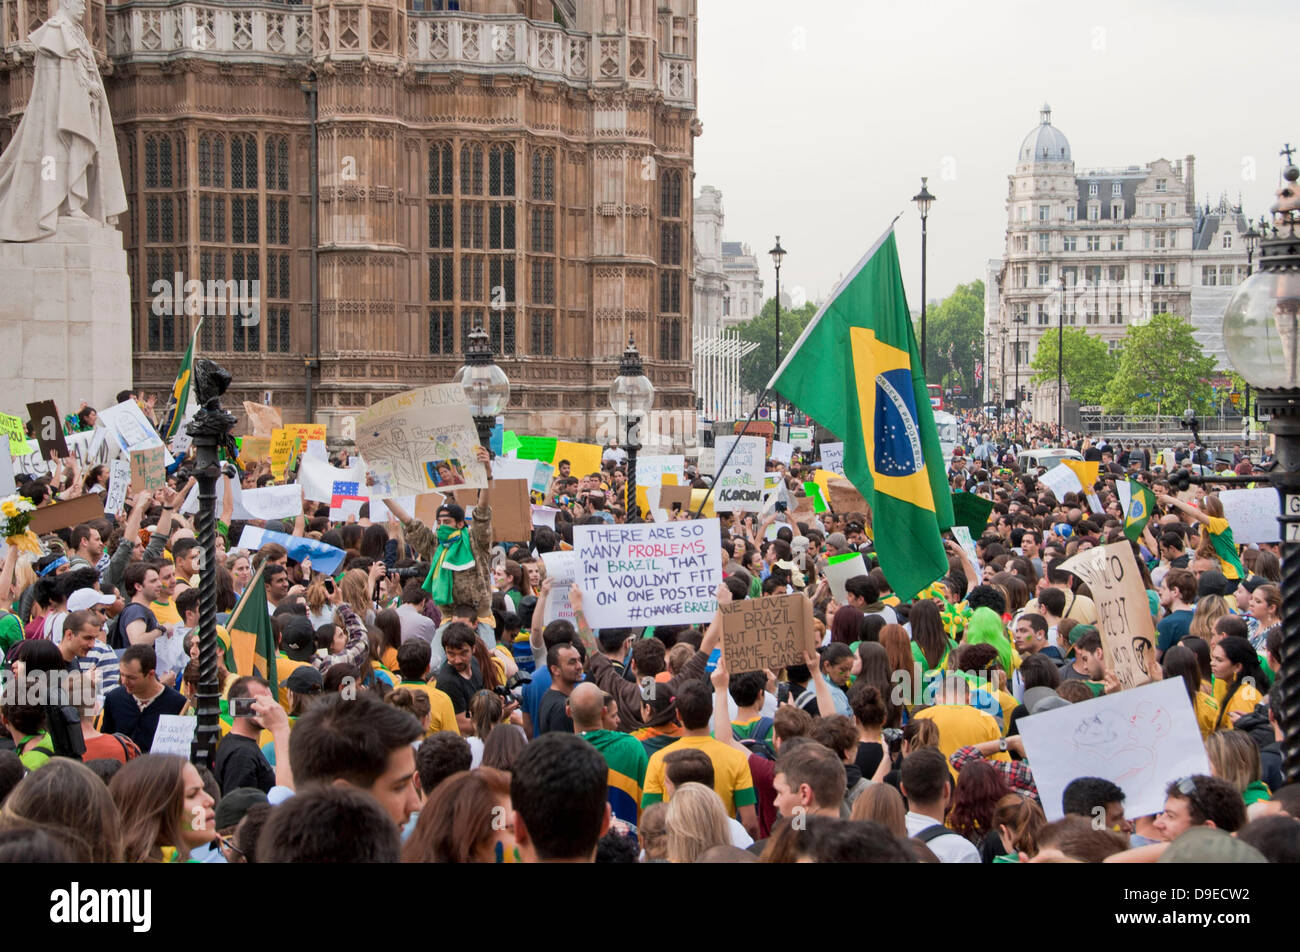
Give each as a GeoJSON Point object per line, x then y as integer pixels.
{"type": "Point", "coordinates": [950, 848]}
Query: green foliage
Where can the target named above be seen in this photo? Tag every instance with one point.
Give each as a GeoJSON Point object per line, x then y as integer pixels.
{"type": "Point", "coordinates": [1162, 370]}
{"type": "Point", "coordinates": [955, 337]}
{"type": "Point", "coordinates": [1089, 367]}
{"type": "Point", "coordinates": [756, 369]}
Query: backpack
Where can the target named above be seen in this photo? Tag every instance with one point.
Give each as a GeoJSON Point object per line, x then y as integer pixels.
{"type": "Point", "coordinates": [113, 635]}
{"type": "Point", "coordinates": [757, 744]}
{"type": "Point", "coordinates": [932, 833]}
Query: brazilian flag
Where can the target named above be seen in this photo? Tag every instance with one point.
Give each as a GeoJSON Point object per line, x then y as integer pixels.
{"type": "Point", "coordinates": [1142, 502]}
{"type": "Point", "coordinates": [179, 400]}
{"type": "Point", "coordinates": [856, 369]}
{"type": "Point", "coordinates": [252, 641]}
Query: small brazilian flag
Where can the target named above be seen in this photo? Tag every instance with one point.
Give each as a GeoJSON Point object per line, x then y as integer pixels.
{"type": "Point", "coordinates": [856, 370]}
{"type": "Point", "coordinates": [252, 640]}
{"type": "Point", "coordinates": [1142, 502]}
{"type": "Point", "coordinates": [179, 401]}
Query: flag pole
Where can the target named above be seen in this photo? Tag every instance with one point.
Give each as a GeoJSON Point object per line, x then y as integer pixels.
{"type": "Point", "coordinates": [734, 443]}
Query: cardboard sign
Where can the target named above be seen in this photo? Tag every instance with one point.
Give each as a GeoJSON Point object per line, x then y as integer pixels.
{"type": "Point", "coordinates": [427, 506]}
{"type": "Point", "coordinates": [129, 428]}
{"type": "Point", "coordinates": [253, 448]}
{"type": "Point", "coordinates": [769, 632]}
{"type": "Point", "coordinates": [844, 497]}
{"type": "Point", "coordinates": [175, 735]}
{"type": "Point", "coordinates": [649, 574]}
{"type": "Point", "coordinates": [740, 487]}
{"type": "Point", "coordinates": [1252, 514]}
{"type": "Point", "coordinates": [264, 420]}
{"type": "Point", "coordinates": [148, 469]}
{"type": "Point", "coordinates": [672, 498]}
{"type": "Point", "coordinates": [421, 440]}
{"type": "Point", "coordinates": [62, 515]}
{"type": "Point", "coordinates": [833, 457]}
{"type": "Point", "coordinates": [1123, 618]}
{"type": "Point", "coordinates": [512, 509]}
{"type": "Point", "coordinates": [561, 569]}
{"type": "Point", "coordinates": [49, 429]}
{"type": "Point", "coordinates": [119, 480]}
{"type": "Point", "coordinates": [1141, 740]}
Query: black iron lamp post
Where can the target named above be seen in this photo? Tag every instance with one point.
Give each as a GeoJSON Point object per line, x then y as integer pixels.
{"type": "Point", "coordinates": [630, 397]}
{"type": "Point", "coordinates": [778, 255]}
{"type": "Point", "coordinates": [923, 200]}
{"type": "Point", "coordinates": [486, 386]}
{"type": "Point", "coordinates": [1261, 333]}
{"type": "Point", "coordinates": [210, 431]}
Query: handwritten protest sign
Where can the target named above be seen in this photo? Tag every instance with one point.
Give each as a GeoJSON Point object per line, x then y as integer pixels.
{"type": "Point", "coordinates": [1123, 614]}
{"type": "Point", "coordinates": [308, 431]}
{"type": "Point", "coordinates": [273, 502]}
{"type": "Point", "coordinates": [264, 420]}
{"type": "Point", "coordinates": [253, 448]}
{"type": "Point", "coordinates": [175, 735]}
{"type": "Point", "coordinates": [561, 569]}
{"type": "Point", "coordinates": [649, 574]}
{"type": "Point", "coordinates": [512, 510]}
{"type": "Point", "coordinates": [1061, 480]}
{"type": "Point", "coordinates": [421, 440]}
{"type": "Point", "coordinates": [1141, 740]}
{"type": "Point", "coordinates": [963, 537]}
{"type": "Point", "coordinates": [1252, 513]}
{"type": "Point", "coordinates": [781, 452]}
{"type": "Point", "coordinates": [148, 470]}
{"type": "Point", "coordinates": [119, 481]}
{"type": "Point", "coordinates": [844, 497]}
{"type": "Point", "coordinates": [650, 470]}
{"type": "Point", "coordinates": [282, 442]}
{"type": "Point", "coordinates": [542, 477]}
{"type": "Point", "coordinates": [12, 427]}
{"type": "Point", "coordinates": [130, 428]}
{"type": "Point", "coordinates": [740, 487]}
{"type": "Point", "coordinates": [833, 457]}
{"type": "Point", "coordinates": [324, 558]}
{"type": "Point", "coordinates": [317, 479]}
{"type": "Point", "coordinates": [49, 429]}
{"type": "Point", "coordinates": [769, 632]}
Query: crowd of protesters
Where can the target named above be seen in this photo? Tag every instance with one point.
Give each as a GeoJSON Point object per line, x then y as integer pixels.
{"type": "Point", "coordinates": [468, 731]}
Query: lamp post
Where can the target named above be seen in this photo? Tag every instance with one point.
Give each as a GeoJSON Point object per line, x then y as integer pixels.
{"type": "Point", "coordinates": [1015, 317]}
{"type": "Point", "coordinates": [630, 397]}
{"type": "Point", "coordinates": [923, 200]}
{"type": "Point", "coordinates": [1060, 368]}
{"type": "Point", "coordinates": [210, 431]}
{"type": "Point", "coordinates": [1261, 330]}
{"type": "Point", "coordinates": [778, 255]}
{"type": "Point", "coordinates": [487, 388]}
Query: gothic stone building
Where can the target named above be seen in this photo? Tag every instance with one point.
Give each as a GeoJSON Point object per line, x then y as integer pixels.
{"type": "Point", "coordinates": [520, 164]}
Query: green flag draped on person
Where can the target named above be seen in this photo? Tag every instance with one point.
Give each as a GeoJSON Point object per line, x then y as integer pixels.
{"type": "Point", "coordinates": [1137, 513]}
{"type": "Point", "coordinates": [455, 554]}
{"type": "Point", "coordinates": [857, 371]}
{"type": "Point", "coordinates": [252, 641]}
{"type": "Point", "coordinates": [179, 401]}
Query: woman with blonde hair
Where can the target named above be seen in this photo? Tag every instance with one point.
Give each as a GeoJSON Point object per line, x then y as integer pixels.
{"type": "Point", "coordinates": [68, 801]}
{"type": "Point", "coordinates": [1235, 758]}
{"type": "Point", "coordinates": [165, 811]}
{"type": "Point", "coordinates": [355, 589]}
{"type": "Point", "coordinates": [1208, 610]}
{"type": "Point", "coordinates": [319, 609]}
{"type": "Point", "coordinates": [883, 804]}
{"type": "Point", "coordinates": [696, 821]}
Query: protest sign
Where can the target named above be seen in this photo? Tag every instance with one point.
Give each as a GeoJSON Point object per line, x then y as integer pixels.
{"type": "Point", "coordinates": [740, 488]}
{"type": "Point", "coordinates": [707, 461]}
{"type": "Point", "coordinates": [650, 470]}
{"type": "Point", "coordinates": [512, 509]}
{"type": "Point", "coordinates": [264, 420]}
{"type": "Point", "coordinates": [801, 437]}
{"type": "Point", "coordinates": [971, 511]}
{"type": "Point", "coordinates": [346, 500]}
{"type": "Point", "coordinates": [119, 480]}
{"type": "Point", "coordinates": [49, 429]}
{"type": "Point", "coordinates": [648, 574]}
{"type": "Point", "coordinates": [584, 458]}
{"type": "Point", "coordinates": [561, 570]}
{"type": "Point", "coordinates": [841, 568]}
{"type": "Point", "coordinates": [427, 506]}
{"type": "Point", "coordinates": [421, 440]}
{"type": "Point", "coordinates": [253, 448]}
{"type": "Point", "coordinates": [833, 457]}
{"type": "Point", "coordinates": [273, 502]}
{"type": "Point", "coordinates": [61, 515]}
{"type": "Point", "coordinates": [1123, 616]}
{"type": "Point", "coordinates": [675, 498]}
{"type": "Point", "coordinates": [769, 632]}
{"type": "Point", "coordinates": [504, 468]}
{"type": "Point", "coordinates": [1252, 513]}
{"type": "Point", "coordinates": [844, 497]}
{"type": "Point", "coordinates": [316, 450]}
{"type": "Point", "coordinates": [324, 558]}
{"type": "Point", "coordinates": [1061, 480]}
{"type": "Point", "coordinates": [130, 428]}
{"type": "Point", "coordinates": [148, 471]}
{"type": "Point", "coordinates": [308, 431]}
{"type": "Point", "coordinates": [12, 427]}
{"type": "Point", "coordinates": [544, 516]}
{"type": "Point", "coordinates": [317, 479]}
{"type": "Point", "coordinates": [1141, 740]}
{"type": "Point", "coordinates": [175, 735]}
{"type": "Point", "coordinates": [379, 512]}
{"type": "Point", "coordinates": [963, 537]}
{"type": "Point", "coordinates": [282, 449]}
{"type": "Point", "coordinates": [781, 452]}
{"type": "Point", "coordinates": [542, 476]}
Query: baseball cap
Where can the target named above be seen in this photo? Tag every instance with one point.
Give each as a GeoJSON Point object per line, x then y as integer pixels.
{"type": "Point", "coordinates": [298, 637]}
{"type": "Point", "coordinates": [1078, 631]}
{"type": "Point", "coordinates": [304, 680]}
{"type": "Point", "coordinates": [84, 598]}
{"type": "Point", "coordinates": [232, 807]}
{"type": "Point", "coordinates": [1205, 844]}
{"type": "Point", "coordinates": [456, 512]}
{"type": "Point", "coordinates": [1213, 582]}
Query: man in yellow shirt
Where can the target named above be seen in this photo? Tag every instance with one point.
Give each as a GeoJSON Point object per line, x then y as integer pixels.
{"type": "Point", "coordinates": [164, 606]}
{"type": "Point", "coordinates": [960, 724]}
{"type": "Point", "coordinates": [413, 664]}
{"type": "Point", "coordinates": [731, 777]}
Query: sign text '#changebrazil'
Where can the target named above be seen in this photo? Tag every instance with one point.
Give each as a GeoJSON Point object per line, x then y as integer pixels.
{"type": "Point", "coordinates": [665, 574]}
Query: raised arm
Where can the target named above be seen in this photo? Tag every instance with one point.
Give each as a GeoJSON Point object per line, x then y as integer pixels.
{"type": "Point", "coordinates": [1178, 504]}
{"type": "Point", "coordinates": [825, 703]}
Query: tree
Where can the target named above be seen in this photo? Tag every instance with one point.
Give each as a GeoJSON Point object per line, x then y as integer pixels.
{"type": "Point", "coordinates": [954, 337]}
{"type": "Point", "coordinates": [756, 368]}
{"type": "Point", "coordinates": [1089, 367]}
{"type": "Point", "coordinates": [1162, 370]}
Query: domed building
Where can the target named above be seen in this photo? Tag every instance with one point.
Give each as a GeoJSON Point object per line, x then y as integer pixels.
{"type": "Point", "coordinates": [1097, 248]}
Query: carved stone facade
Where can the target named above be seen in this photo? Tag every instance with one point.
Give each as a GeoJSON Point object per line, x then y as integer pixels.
{"type": "Point", "coordinates": [520, 163]}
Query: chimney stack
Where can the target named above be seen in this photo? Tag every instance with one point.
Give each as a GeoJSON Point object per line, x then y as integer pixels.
{"type": "Point", "coordinates": [1190, 182]}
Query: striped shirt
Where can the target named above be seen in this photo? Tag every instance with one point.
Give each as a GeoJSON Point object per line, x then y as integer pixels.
{"type": "Point", "coordinates": [627, 762]}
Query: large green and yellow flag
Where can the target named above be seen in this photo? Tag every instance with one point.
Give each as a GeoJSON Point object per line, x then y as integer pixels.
{"type": "Point", "coordinates": [856, 370]}
{"type": "Point", "coordinates": [252, 641]}
{"type": "Point", "coordinates": [1137, 511]}
{"type": "Point", "coordinates": [178, 403]}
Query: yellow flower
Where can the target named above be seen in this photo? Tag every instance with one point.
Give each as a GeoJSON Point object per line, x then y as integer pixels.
{"type": "Point", "coordinates": [9, 509]}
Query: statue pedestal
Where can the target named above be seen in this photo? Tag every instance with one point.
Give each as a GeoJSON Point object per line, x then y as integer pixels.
{"type": "Point", "coordinates": [65, 317]}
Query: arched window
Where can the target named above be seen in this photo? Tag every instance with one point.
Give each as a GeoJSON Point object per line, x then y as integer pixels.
{"type": "Point", "coordinates": [501, 170]}
{"type": "Point", "coordinates": [440, 169]}
{"type": "Point", "coordinates": [1227, 241]}
{"type": "Point", "coordinates": [471, 170]}
{"type": "Point", "coordinates": [542, 185]}
{"type": "Point", "coordinates": [670, 194]}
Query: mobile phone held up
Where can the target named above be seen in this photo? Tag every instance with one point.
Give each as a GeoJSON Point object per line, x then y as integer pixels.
{"type": "Point", "coordinates": [329, 585]}
{"type": "Point", "coordinates": [241, 706]}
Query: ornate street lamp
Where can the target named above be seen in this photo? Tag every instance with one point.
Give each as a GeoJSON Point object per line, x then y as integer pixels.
{"type": "Point", "coordinates": [778, 255]}
{"type": "Point", "coordinates": [1261, 332]}
{"type": "Point", "coordinates": [630, 397]}
{"type": "Point", "coordinates": [923, 200]}
{"type": "Point", "coordinates": [487, 388]}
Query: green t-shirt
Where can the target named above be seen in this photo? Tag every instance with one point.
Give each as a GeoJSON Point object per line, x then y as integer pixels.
{"type": "Point", "coordinates": [745, 730]}
{"type": "Point", "coordinates": [11, 632]}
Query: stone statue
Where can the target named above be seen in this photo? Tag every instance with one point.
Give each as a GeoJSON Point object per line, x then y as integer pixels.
{"type": "Point", "coordinates": [63, 157]}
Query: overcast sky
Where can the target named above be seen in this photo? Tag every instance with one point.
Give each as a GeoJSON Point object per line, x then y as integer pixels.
{"type": "Point", "coordinates": [821, 116]}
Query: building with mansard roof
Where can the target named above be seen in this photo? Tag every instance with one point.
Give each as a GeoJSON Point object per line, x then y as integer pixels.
{"type": "Point", "coordinates": [392, 173]}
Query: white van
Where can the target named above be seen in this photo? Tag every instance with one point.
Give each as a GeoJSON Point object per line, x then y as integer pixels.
{"type": "Point", "coordinates": [1048, 457]}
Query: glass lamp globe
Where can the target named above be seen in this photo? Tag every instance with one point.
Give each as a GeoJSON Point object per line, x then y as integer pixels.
{"type": "Point", "coordinates": [487, 389]}
{"type": "Point", "coordinates": [1260, 330]}
{"type": "Point", "coordinates": [631, 396]}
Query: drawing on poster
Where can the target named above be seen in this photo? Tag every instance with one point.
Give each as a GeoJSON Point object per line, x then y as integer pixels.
{"type": "Point", "coordinates": [444, 472]}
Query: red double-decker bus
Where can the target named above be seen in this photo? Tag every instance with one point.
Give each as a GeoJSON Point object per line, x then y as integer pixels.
{"type": "Point", "coordinates": [936, 396]}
